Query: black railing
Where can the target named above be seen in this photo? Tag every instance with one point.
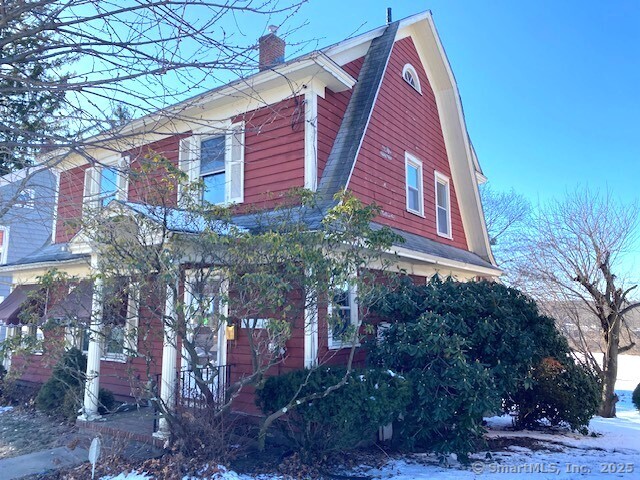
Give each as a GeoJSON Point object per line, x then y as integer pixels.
{"type": "Point", "coordinates": [204, 387]}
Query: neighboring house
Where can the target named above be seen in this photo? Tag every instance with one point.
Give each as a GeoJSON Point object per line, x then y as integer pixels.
{"type": "Point", "coordinates": [27, 198]}
{"type": "Point", "coordinates": [378, 114]}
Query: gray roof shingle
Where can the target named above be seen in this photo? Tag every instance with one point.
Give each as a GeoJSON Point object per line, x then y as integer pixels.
{"type": "Point", "coordinates": [356, 118]}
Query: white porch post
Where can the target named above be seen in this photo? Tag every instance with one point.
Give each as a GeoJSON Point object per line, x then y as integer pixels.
{"type": "Point", "coordinates": [311, 330]}
{"type": "Point", "coordinates": [11, 332]}
{"type": "Point", "coordinates": [94, 353]}
{"type": "Point", "coordinates": [169, 364]}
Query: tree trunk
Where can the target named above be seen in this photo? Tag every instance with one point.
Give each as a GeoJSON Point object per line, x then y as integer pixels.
{"type": "Point", "coordinates": [610, 373]}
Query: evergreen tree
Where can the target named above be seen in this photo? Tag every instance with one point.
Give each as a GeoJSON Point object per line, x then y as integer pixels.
{"type": "Point", "coordinates": [29, 99]}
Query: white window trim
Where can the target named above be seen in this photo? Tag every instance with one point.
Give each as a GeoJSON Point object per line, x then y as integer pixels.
{"type": "Point", "coordinates": [223, 311]}
{"type": "Point", "coordinates": [411, 69]}
{"type": "Point", "coordinates": [26, 331]}
{"type": "Point", "coordinates": [335, 343]}
{"type": "Point", "coordinates": [189, 158]}
{"type": "Point", "coordinates": [31, 202]}
{"type": "Point", "coordinates": [4, 255]}
{"type": "Point", "coordinates": [93, 177]}
{"type": "Point", "coordinates": [413, 161]}
{"type": "Point", "coordinates": [130, 347]}
{"type": "Point", "coordinates": [443, 179]}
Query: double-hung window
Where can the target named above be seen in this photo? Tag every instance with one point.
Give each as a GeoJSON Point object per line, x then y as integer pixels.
{"type": "Point", "coordinates": [213, 169]}
{"type": "Point", "coordinates": [102, 184]}
{"type": "Point", "coordinates": [217, 162]}
{"type": "Point", "coordinates": [414, 191]}
{"type": "Point", "coordinates": [120, 319]}
{"type": "Point", "coordinates": [343, 315]}
{"type": "Point", "coordinates": [443, 206]}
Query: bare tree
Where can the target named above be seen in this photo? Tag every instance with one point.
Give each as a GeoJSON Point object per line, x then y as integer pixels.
{"type": "Point", "coordinates": [574, 259]}
{"type": "Point", "coordinates": [507, 216]}
{"type": "Point", "coordinates": [71, 70]}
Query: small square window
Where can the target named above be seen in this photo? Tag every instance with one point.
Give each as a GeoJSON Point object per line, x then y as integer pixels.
{"type": "Point", "coordinates": [26, 198]}
{"type": "Point", "coordinates": [413, 178]}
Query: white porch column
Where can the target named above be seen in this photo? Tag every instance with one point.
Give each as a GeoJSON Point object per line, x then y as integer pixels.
{"type": "Point", "coordinates": [92, 382]}
{"type": "Point", "coordinates": [169, 364]}
{"type": "Point", "coordinates": [311, 331]}
{"type": "Point", "coordinates": [11, 332]}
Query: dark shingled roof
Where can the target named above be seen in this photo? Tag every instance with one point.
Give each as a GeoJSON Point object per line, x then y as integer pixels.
{"type": "Point", "coordinates": [334, 176]}
{"type": "Point", "coordinates": [437, 249]}
{"type": "Point", "coordinates": [58, 252]}
{"type": "Point", "coordinates": [354, 123]}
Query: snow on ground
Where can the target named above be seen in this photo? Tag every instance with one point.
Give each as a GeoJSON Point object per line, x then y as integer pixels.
{"type": "Point", "coordinates": [611, 451]}
{"type": "Point", "coordinates": [614, 452]}
{"type": "Point", "coordinates": [5, 409]}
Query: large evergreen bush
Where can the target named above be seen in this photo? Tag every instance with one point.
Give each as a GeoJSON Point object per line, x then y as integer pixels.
{"type": "Point", "coordinates": [482, 334]}
{"type": "Point", "coordinates": [342, 420]}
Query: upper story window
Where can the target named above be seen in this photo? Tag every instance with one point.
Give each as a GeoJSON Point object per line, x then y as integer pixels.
{"type": "Point", "coordinates": [414, 190]}
{"type": "Point", "coordinates": [102, 184]}
{"type": "Point", "coordinates": [443, 205]}
{"type": "Point", "coordinates": [218, 162]}
{"type": "Point", "coordinates": [213, 169]}
{"type": "Point", "coordinates": [26, 198]}
{"type": "Point", "coordinates": [343, 316]}
{"type": "Point", "coordinates": [411, 77]}
{"type": "Point", "coordinates": [4, 244]}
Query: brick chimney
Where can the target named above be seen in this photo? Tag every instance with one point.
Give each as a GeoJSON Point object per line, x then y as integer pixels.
{"type": "Point", "coordinates": [271, 49]}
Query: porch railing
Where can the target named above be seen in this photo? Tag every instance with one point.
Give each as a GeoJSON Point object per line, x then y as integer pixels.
{"type": "Point", "coordinates": [189, 394]}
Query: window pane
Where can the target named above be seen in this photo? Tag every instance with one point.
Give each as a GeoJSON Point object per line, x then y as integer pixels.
{"type": "Point", "coordinates": [443, 221]}
{"type": "Point", "coordinates": [412, 176]}
{"type": "Point", "coordinates": [115, 339]}
{"type": "Point", "coordinates": [443, 200]}
{"type": "Point", "coordinates": [85, 339]}
{"type": "Point", "coordinates": [414, 199]}
{"type": "Point", "coordinates": [108, 185]}
{"type": "Point", "coordinates": [212, 155]}
{"type": "Point", "coordinates": [341, 313]}
{"type": "Point", "coordinates": [214, 188]}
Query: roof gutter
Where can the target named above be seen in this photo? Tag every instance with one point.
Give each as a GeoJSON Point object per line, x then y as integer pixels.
{"type": "Point", "coordinates": [39, 265]}
{"type": "Point", "coordinates": [445, 262]}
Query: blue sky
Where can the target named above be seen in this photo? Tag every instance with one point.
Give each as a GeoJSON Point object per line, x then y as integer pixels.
{"type": "Point", "coordinates": [551, 89]}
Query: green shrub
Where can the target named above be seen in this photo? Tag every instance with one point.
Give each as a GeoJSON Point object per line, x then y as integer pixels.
{"type": "Point", "coordinates": [68, 375]}
{"type": "Point", "coordinates": [635, 398]}
{"type": "Point", "coordinates": [495, 338]}
{"type": "Point", "coordinates": [449, 392]}
{"type": "Point", "coordinates": [562, 393]}
{"type": "Point", "coordinates": [343, 419]}
{"type": "Point", "coordinates": [502, 327]}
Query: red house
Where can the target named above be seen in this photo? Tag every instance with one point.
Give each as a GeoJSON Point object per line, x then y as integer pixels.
{"type": "Point", "coordinates": [378, 114]}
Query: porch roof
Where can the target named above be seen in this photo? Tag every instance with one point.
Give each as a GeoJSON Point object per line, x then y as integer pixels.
{"type": "Point", "coordinates": [181, 221]}
{"type": "Point", "coordinates": [12, 306]}
{"type": "Point", "coordinates": [57, 252]}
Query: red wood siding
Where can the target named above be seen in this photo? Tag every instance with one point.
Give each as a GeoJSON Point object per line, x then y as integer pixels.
{"type": "Point", "coordinates": [404, 120]}
{"type": "Point", "coordinates": [274, 150]}
{"type": "Point", "coordinates": [148, 181]}
{"type": "Point", "coordinates": [239, 354]}
{"type": "Point", "coordinates": [331, 109]}
{"type": "Point", "coordinates": [70, 203]}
